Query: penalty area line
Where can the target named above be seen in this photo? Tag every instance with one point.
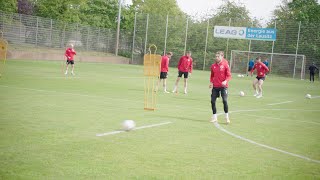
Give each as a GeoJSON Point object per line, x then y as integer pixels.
{"type": "Point", "coordinates": [137, 128]}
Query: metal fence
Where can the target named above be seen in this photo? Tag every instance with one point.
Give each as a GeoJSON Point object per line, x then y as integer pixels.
{"type": "Point", "coordinates": [32, 31]}
{"type": "Point", "coordinates": [178, 34]}
{"type": "Point", "coordinates": [169, 33]}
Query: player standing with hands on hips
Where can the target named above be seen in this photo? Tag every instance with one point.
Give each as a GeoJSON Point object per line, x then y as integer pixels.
{"type": "Point", "coordinates": [70, 52]}
{"type": "Point", "coordinates": [262, 70]}
{"type": "Point", "coordinates": [219, 78]}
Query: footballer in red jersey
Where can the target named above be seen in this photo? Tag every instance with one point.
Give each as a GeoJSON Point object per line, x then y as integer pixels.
{"type": "Point", "coordinates": [184, 68]}
{"type": "Point", "coordinates": [219, 78]}
{"type": "Point", "coordinates": [164, 69]}
{"type": "Point", "coordinates": [70, 52]}
{"type": "Point", "coordinates": [262, 70]}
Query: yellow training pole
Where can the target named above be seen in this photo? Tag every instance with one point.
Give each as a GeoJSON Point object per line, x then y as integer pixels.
{"type": "Point", "coordinates": [3, 53]}
{"type": "Point", "coordinates": [151, 73]}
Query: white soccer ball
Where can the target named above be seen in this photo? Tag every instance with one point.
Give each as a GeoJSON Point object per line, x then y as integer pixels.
{"type": "Point", "coordinates": [308, 96]}
{"type": "Point", "coordinates": [241, 93]}
{"type": "Point", "coordinates": [128, 125]}
{"type": "Point", "coordinates": [239, 75]}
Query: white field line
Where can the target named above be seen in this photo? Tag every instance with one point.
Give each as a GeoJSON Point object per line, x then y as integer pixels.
{"type": "Point", "coordinates": [281, 119]}
{"type": "Point", "coordinates": [141, 127]}
{"type": "Point", "coordinates": [131, 77]}
{"type": "Point", "coordinates": [262, 145]}
{"type": "Point", "coordinates": [313, 97]}
{"type": "Point", "coordinates": [200, 109]}
{"type": "Point", "coordinates": [285, 102]}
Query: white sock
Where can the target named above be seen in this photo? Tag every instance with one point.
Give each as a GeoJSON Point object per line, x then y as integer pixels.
{"type": "Point", "coordinates": [227, 115]}
{"type": "Point", "coordinates": [185, 89]}
{"type": "Point", "coordinates": [214, 116]}
{"type": "Point", "coordinates": [175, 88]}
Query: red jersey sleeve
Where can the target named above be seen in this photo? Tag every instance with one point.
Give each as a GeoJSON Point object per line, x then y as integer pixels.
{"type": "Point", "coordinates": [191, 66]}
{"type": "Point", "coordinates": [180, 61]}
{"type": "Point", "coordinates": [228, 72]}
{"type": "Point", "coordinates": [254, 67]}
{"type": "Point", "coordinates": [212, 74]}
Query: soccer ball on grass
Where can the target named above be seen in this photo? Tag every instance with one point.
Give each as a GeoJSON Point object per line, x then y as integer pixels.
{"type": "Point", "coordinates": [128, 125]}
{"type": "Point", "coordinates": [308, 96]}
{"type": "Point", "coordinates": [241, 93]}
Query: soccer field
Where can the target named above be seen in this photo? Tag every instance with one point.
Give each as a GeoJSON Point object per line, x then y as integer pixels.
{"type": "Point", "coordinates": [49, 124]}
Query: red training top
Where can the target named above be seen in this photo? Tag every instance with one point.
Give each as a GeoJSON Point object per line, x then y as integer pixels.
{"type": "Point", "coordinates": [262, 69]}
{"type": "Point", "coordinates": [164, 64]}
{"type": "Point", "coordinates": [70, 53]}
{"type": "Point", "coordinates": [185, 64]}
{"type": "Point", "coordinates": [220, 72]}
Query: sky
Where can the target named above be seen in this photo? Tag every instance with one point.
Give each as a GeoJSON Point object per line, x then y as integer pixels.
{"type": "Point", "coordinates": [260, 9]}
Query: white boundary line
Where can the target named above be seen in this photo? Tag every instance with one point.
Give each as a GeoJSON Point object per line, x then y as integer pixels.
{"type": "Point", "coordinates": [280, 103]}
{"type": "Point", "coordinates": [274, 118]}
{"type": "Point", "coordinates": [131, 77]}
{"type": "Point", "coordinates": [313, 97]}
{"type": "Point", "coordinates": [259, 144]}
{"type": "Point", "coordinates": [217, 125]}
{"type": "Point", "coordinates": [141, 127]}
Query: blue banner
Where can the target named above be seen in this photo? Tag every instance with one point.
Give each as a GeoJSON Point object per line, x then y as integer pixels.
{"type": "Point", "coordinates": [265, 34]}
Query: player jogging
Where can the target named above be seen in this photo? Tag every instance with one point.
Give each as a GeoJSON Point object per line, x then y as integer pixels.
{"type": "Point", "coordinates": [219, 78]}
{"type": "Point", "coordinates": [70, 52]}
{"type": "Point", "coordinates": [262, 69]}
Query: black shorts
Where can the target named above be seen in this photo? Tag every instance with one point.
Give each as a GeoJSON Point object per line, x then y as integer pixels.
{"type": "Point", "coordinates": [185, 74]}
{"type": "Point", "coordinates": [70, 61]}
{"type": "Point", "coordinates": [163, 75]}
{"type": "Point", "coordinates": [216, 92]}
{"type": "Point", "coordinates": [250, 68]}
{"type": "Point", "coordinates": [261, 78]}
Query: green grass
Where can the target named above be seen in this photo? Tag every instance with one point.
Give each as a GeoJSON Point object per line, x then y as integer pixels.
{"type": "Point", "coordinates": [49, 122]}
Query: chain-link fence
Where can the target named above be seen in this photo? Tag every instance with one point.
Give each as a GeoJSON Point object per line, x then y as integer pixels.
{"type": "Point", "coordinates": [24, 32]}
{"type": "Point", "coordinates": [179, 34]}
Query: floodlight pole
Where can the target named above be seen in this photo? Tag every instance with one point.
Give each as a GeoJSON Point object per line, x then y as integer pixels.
{"type": "Point", "coordinates": [118, 29]}
{"type": "Point", "coordinates": [185, 40]}
{"type": "Point", "coordinates": [228, 42]}
{"type": "Point", "coordinates": [249, 52]}
{"type": "Point", "coordinates": [295, 59]}
{"type": "Point", "coordinates": [272, 50]}
{"type": "Point", "coordinates": [205, 47]}
{"type": "Point", "coordinates": [134, 36]}
{"type": "Point", "coordinates": [146, 38]}
{"type": "Point", "coordinates": [166, 36]}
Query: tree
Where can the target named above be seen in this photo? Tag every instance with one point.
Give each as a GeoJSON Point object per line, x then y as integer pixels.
{"type": "Point", "coordinates": [289, 15]}
{"type": "Point", "coordinates": [65, 10]}
{"type": "Point", "coordinates": [305, 10]}
{"type": "Point", "coordinates": [8, 6]}
{"type": "Point", "coordinates": [159, 7]}
{"type": "Point", "coordinates": [100, 13]}
{"type": "Point", "coordinates": [25, 7]}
